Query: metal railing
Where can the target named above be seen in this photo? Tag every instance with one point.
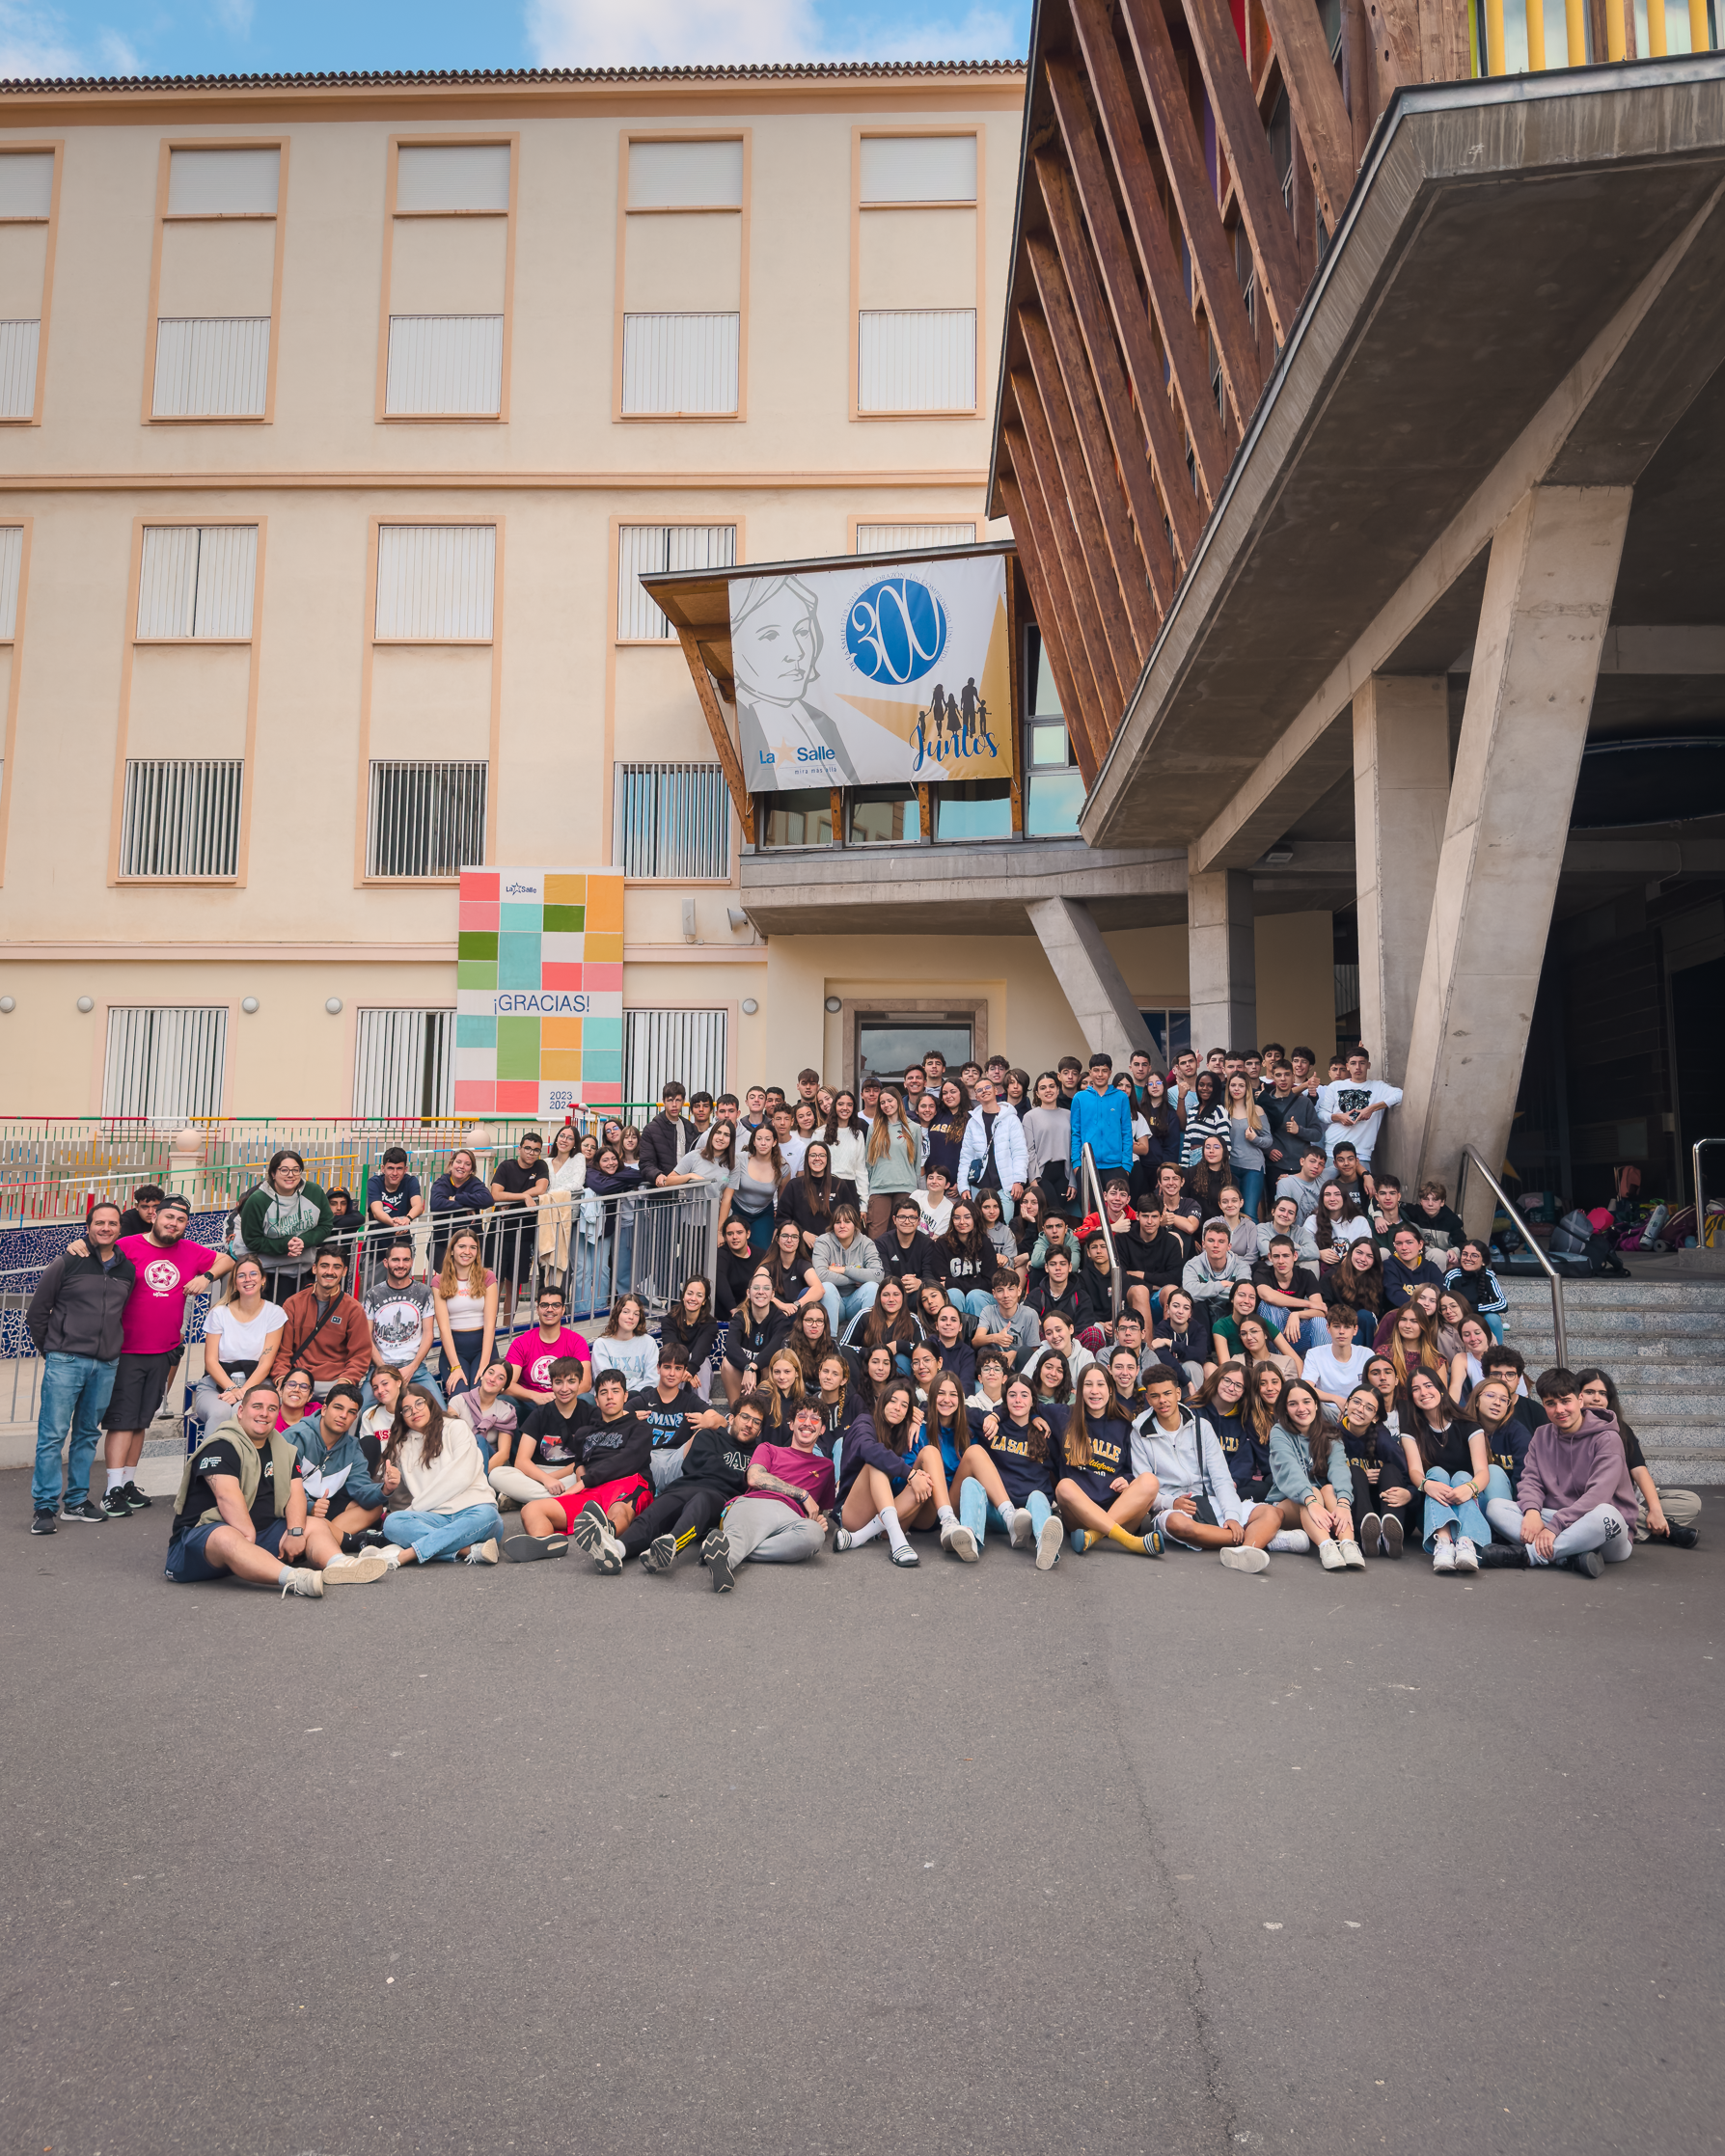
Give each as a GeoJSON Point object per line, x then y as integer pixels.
{"type": "Point", "coordinates": [1088, 1173]}
{"type": "Point", "coordinates": [1471, 1159]}
{"type": "Point", "coordinates": [1700, 1192]}
{"type": "Point", "coordinates": [1518, 39]}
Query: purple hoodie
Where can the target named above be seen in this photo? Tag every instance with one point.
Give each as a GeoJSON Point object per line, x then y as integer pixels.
{"type": "Point", "coordinates": [1571, 1475]}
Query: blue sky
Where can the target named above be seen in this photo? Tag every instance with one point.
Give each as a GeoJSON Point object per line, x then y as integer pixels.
{"type": "Point", "coordinates": [222, 36]}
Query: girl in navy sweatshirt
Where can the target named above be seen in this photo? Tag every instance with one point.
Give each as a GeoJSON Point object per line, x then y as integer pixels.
{"type": "Point", "coordinates": [1008, 1473]}
{"type": "Point", "coordinates": [1100, 1498]}
{"type": "Point", "coordinates": [888, 1480]}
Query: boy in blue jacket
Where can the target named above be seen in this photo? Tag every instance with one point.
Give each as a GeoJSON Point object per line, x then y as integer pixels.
{"type": "Point", "coordinates": [1102, 1116]}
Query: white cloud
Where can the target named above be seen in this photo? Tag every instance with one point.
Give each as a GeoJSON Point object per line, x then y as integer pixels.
{"type": "Point", "coordinates": [696, 33]}
{"type": "Point", "coordinates": [235, 16]}
{"type": "Point", "coordinates": [118, 55]}
{"type": "Point", "coordinates": [33, 42]}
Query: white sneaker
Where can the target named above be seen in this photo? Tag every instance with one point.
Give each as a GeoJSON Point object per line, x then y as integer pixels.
{"type": "Point", "coordinates": [1330, 1556]}
{"type": "Point", "coordinates": [1352, 1556]}
{"type": "Point", "coordinates": [481, 1553]}
{"type": "Point", "coordinates": [1048, 1541]}
{"type": "Point", "coordinates": [302, 1583]}
{"type": "Point", "coordinates": [1019, 1525]}
{"type": "Point", "coordinates": [1291, 1541]}
{"type": "Point", "coordinates": [1444, 1558]}
{"type": "Point", "coordinates": [959, 1540]}
{"type": "Point", "coordinates": [1243, 1558]}
{"type": "Point", "coordinates": [343, 1571]}
{"type": "Point", "coordinates": [1467, 1556]}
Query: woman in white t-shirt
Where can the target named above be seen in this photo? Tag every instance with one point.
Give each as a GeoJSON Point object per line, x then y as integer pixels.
{"type": "Point", "coordinates": [626, 1345]}
{"type": "Point", "coordinates": [464, 1295]}
{"type": "Point", "coordinates": [240, 1338]}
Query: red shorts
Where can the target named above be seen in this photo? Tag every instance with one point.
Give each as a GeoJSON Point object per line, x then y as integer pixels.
{"type": "Point", "coordinates": [632, 1489]}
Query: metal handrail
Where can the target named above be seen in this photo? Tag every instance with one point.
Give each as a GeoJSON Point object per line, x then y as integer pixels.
{"type": "Point", "coordinates": [1700, 1195]}
{"type": "Point", "coordinates": [1087, 1168]}
{"type": "Point", "coordinates": [1471, 1156]}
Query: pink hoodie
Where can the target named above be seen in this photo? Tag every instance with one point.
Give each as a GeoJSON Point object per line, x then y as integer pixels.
{"type": "Point", "coordinates": [1572, 1475]}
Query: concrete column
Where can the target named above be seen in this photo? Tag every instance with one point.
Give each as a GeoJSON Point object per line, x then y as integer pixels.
{"type": "Point", "coordinates": [1401, 798]}
{"type": "Point", "coordinates": [1092, 983]}
{"type": "Point", "coordinates": [1548, 603]}
{"type": "Point", "coordinates": [1223, 971]}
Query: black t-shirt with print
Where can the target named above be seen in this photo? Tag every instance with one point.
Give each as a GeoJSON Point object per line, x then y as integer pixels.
{"type": "Point", "coordinates": [518, 1180]}
{"type": "Point", "coordinates": [559, 1440]}
{"type": "Point", "coordinates": [667, 1419]}
{"type": "Point", "coordinates": [220, 1455]}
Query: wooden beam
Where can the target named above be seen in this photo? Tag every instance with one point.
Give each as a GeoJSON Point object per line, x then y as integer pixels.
{"type": "Point", "coordinates": [1144, 369]}
{"type": "Point", "coordinates": [1240, 128]}
{"type": "Point", "coordinates": [1315, 96]}
{"type": "Point", "coordinates": [1111, 440]}
{"type": "Point", "coordinates": [1188, 361]}
{"type": "Point", "coordinates": [729, 762]}
{"type": "Point", "coordinates": [1195, 197]}
{"type": "Point", "coordinates": [1443, 43]}
{"type": "Point", "coordinates": [1042, 576]}
{"type": "Point", "coordinates": [1045, 391]}
{"type": "Point", "coordinates": [1053, 552]}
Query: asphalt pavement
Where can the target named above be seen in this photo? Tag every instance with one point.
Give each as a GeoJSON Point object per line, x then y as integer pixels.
{"type": "Point", "coordinates": [1128, 1856]}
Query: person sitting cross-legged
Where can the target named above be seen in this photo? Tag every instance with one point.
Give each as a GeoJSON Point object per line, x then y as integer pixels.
{"type": "Point", "coordinates": [1100, 1496]}
{"type": "Point", "coordinates": [1008, 1473]}
{"type": "Point", "coordinates": [590, 1465]}
{"type": "Point", "coordinates": [782, 1519]}
{"type": "Point", "coordinates": [451, 1512]}
{"type": "Point", "coordinates": [1576, 1499]}
{"type": "Point", "coordinates": [891, 1476]}
{"type": "Point", "coordinates": [330, 1446]}
{"type": "Point", "coordinates": [1198, 1501]}
{"type": "Point", "coordinates": [241, 1508]}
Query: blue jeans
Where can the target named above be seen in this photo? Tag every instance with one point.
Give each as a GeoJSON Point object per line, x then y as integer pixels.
{"type": "Point", "coordinates": [75, 1391]}
{"type": "Point", "coordinates": [978, 1515]}
{"type": "Point", "coordinates": [972, 1301]}
{"type": "Point", "coordinates": [1465, 1518]}
{"type": "Point", "coordinates": [1251, 1189]}
{"type": "Point", "coordinates": [435, 1535]}
{"type": "Point", "coordinates": [841, 1307]}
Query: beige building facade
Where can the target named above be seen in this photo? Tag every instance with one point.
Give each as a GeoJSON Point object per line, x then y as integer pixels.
{"type": "Point", "coordinates": [337, 419]}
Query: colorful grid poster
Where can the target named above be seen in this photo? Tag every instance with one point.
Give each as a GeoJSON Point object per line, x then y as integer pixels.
{"type": "Point", "coordinates": [539, 991]}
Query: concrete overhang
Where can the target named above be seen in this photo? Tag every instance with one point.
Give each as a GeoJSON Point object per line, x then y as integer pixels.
{"type": "Point", "coordinates": [1497, 228]}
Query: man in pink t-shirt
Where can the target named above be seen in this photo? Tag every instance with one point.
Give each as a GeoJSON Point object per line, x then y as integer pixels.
{"type": "Point", "coordinates": [171, 1271]}
{"type": "Point", "coordinates": [783, 1517]}
{"type": "Point", "coordinates": [530, 1356]}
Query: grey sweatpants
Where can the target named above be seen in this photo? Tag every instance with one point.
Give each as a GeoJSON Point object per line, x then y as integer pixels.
{"type": "Point", "coordinates": [1603, 1529]}
{"type": "Point", "coordinates": [770, 1532]}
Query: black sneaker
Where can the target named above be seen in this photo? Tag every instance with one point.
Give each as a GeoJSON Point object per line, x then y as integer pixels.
{"type": "Point", "coordinates": [715, 1555]}
{"type": "Point", "coordinates": [1503, 1557]}
{"type": "Point", "coordinates": [1588, 1561]}
{"type": "Point", "coordinates": [86, 1513]}
{"type": "Point", "coordinates": [135, 1497]}
{"type": "Point", "coordinates": [42, 1523]}
{"type": "Point", "coordinates": [1682, 1537]}
{"type": "Point", "coordinates": [114, 1506]}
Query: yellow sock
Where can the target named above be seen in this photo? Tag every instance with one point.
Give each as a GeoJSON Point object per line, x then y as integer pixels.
{"type": "Point", "coordinates": [1125, 1541]}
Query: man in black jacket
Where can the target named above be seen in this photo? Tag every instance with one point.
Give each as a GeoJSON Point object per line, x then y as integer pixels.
{"type": "Point", "coordinates": [907, 1252]}
{"type": "Point", "coordinates": [715, 1470]}
{"type": "Point", "coordinates": [74, 1319]}
{"type": "Point", "coordinates": [665, 1138]}
{"type": "Point", "coordinates": [1407, 1266]}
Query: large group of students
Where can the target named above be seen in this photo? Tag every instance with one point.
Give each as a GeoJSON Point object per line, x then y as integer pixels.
{"type": "Point", "coordinates": [926, 1318]}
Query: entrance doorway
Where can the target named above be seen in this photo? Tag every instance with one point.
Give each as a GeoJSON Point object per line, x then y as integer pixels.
{"type": "Point", "coordinates": [888, 1045]}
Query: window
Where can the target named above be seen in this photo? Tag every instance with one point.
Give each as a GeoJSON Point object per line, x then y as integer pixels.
{"type": "Point", "coordinates": [887, 1045]}
{"type": "Point", "coordinates": [181, 817]}
{"type": "Point", "coordinates": [903, 538]}
{"type": "Point", "coordinates": [803, 818]}
{"type": "Point", "coordinates": [679, 366]}
{"type": "Point", "coordinates": [1055, 792]}
{"type": "Point", "coordinates": [196, 580]}
{"type": "Point", "coordinates": [436, 583]}
{"type": "Point", "coordinates": [1171, 1032]}
{"type": "Point", "coordinates": [882, 817]}
{"type": "Point", "coordinates": [647, 550]}
{"type": "Point", "coordinates": [916, 360]}
{"type": "Point", "coordinates": [448, 273]}
{"type": "Point", "coordinates": [426, 819]}
{"type": "Point", "coordinates": [973, 808]}
{"type": "Point", "coordinates": [26, 263]}
{"type": "Point", "coordinates": [217, 272]}
{"type": "Point", "coordinates": [658, 1046]}
{"type": "Point", "coordinates": [165, 1064]}
{"type": "Point", "coordinates": [12, 562]}
{"type": "Point", "coordinates": [672, 821]}
{"type": "Point", "coordinates": [682, 277]}
{"type": "Point", "coordinates": [917, 273]}
{"type": "Point", "coordinates": [403, 1064]}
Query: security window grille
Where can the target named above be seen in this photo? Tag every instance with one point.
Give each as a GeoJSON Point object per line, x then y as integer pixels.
{"type": "Point", "coordinates": [658, 1046]}
{"type": "Point", "coordinates": [181, 817]}
{"type": "Point", "coordinates": [444, 367]}
{"type": "Point", "coordinates": [436, 583]}
{"type": "Point", "coordinates": [165, 1064]}
{"type": "Point", "coordinates": [426, 819]}
{"type": "Point", "coordinates": [403, 1064]}
{"type": "Point", "coordinates": [21, 343]}
{"type": "Point", "coordinates": [903, 538]}
{"type": "Point", "coordinates": [676, 364]}
{"type": "Point", "coordinates": [11, 561]}
{"type": "Point", "coordinates": [648, 550]}
{"type": "Point", "coordinates": [196, 580]}
{"type": "Point", "coordinates": [211, 366]}
{"type": "Point", "coordinates": [918, 359]}
{"type": "Point", "coordinates": [672, 821]}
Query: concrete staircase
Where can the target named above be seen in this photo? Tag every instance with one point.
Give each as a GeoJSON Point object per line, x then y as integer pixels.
{"type": "Point", "coordinates": [1664, 1342]}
